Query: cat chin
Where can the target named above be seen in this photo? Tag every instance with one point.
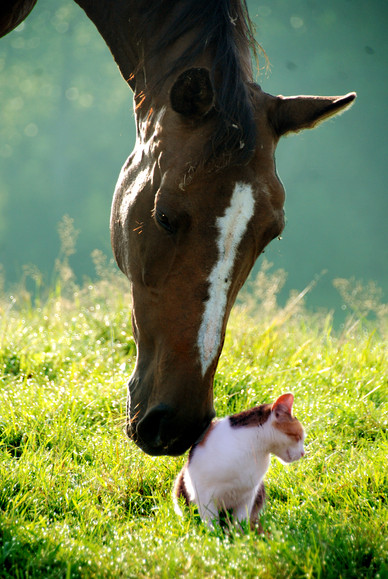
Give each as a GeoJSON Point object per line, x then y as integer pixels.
{"type": "Point", "coordinates": [288, 459]}
{"type": "Point", "coordinates": [284, 460]}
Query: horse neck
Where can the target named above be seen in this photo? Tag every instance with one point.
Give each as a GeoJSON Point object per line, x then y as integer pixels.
{"type": "Point", "coordinates": [130, 36]}
{"type": "Point", "coordinates": [116, 21]}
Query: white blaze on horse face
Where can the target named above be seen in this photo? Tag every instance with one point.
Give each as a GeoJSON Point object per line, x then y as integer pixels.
{"type": "Point", "coordinates": [231, 229]}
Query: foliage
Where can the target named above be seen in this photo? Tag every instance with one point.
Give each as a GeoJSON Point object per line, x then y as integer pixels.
{"type": "Point", "coordinates": [78, 500]}
{"type": "Point", "coordinates": [65, 130]}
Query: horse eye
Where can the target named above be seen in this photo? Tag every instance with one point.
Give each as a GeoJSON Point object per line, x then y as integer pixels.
{"type": "Point", "coordinates": [164, 222]}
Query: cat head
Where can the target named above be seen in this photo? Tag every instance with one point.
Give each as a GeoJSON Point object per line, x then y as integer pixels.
{"type": "Point", "coordinates": [288, 432]}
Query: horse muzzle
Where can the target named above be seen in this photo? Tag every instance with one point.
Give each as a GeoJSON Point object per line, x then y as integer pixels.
{"type": "Point", "coordinates": [163, 432]}
{"type": "Point", "coordinates": [163, 429]}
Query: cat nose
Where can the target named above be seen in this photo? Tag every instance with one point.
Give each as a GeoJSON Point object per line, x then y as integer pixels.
{"type": "Point", "coordinates": [302, 453]}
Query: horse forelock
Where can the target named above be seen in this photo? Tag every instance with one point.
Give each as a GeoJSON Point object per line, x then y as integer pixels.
{"type": "Point", "coordinates": [223, 29]}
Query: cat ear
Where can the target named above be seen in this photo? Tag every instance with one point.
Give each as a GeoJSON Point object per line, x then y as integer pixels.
{"type": "Point", "coordinates": [285, 401]}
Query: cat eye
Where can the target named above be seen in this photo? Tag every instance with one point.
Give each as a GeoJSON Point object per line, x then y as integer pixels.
{"type": "Point", "coordinates": [295, 436]}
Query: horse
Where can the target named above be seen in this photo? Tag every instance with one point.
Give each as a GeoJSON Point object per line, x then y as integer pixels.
{"type": "Point", "coordinates": [199, 197]}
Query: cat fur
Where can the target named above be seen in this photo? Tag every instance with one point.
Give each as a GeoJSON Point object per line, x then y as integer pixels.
{"type": "Point", "coordinates": [226, 469]}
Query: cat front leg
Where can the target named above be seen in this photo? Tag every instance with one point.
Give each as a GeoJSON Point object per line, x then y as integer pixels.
{"type": "Point", "coordinates": [249, 507]}
{"type": "Point", "coordinates": [242, 511]}
{"type": "Point", "coordinates": [208, 511]}
{"type": "Point", "coordinates": [209, 516]}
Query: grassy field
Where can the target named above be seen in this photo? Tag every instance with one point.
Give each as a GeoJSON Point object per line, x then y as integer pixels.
{"type": "Point", "coordinates": [78, 500]}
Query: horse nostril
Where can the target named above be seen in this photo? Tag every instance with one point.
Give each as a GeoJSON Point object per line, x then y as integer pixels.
{"type": "Point", "coordinates": [164, 431]}
{"type": "Point", "coordinates": [151, 429]}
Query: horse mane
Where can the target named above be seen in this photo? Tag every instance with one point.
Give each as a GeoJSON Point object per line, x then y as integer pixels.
{"type": "Point", "coordinates": [225, 28]}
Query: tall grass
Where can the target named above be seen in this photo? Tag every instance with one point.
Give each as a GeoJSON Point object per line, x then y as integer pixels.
{"type": "Point", "coordinates": [78, 500]}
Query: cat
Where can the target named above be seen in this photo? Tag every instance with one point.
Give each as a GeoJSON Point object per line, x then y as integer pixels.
{"type": "Point", "coordinates": [225, 470]}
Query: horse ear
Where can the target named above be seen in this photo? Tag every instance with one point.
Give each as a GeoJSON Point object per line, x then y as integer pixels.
{"type": "Point", "coordinates": [192, 93]}
{"type": "Point", "coordinates": [305, 112]}
{"type": "Point", "coordinates": [285, 400]}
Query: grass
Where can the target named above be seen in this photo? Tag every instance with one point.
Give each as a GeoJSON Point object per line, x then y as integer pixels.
{"type": "Point", "coordinates": [78, 500]}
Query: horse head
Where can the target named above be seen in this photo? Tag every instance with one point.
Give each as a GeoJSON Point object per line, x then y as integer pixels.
{"type": "Point", "coordinates": [187, 234]}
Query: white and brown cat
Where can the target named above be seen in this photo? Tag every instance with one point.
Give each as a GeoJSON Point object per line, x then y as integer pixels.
{"type": "Point", "coordinates": [225, 470]}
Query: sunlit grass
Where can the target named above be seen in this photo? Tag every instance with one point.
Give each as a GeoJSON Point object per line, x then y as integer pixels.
{"type": "Point", "coordinates": [78, 500]}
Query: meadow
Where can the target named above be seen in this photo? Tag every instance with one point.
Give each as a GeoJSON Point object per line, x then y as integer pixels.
{"type": "Point", "coordinates": [77, 499]}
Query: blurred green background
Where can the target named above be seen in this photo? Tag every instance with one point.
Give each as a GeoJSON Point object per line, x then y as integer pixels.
{"type": "Point", "coordinates": [66, 127]}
